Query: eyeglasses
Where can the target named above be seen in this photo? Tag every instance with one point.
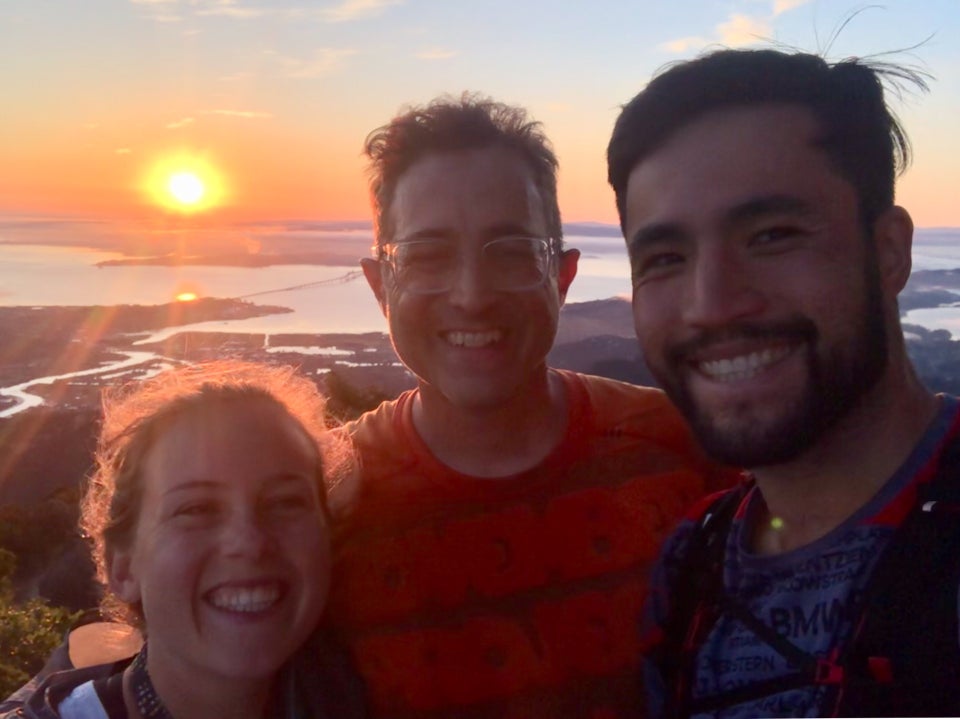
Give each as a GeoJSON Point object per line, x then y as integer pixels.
{"type": "Point", "coordinates": [430, 266]}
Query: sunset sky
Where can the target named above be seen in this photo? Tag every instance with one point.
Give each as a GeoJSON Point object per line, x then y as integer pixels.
{"type": "Point", "coordinates": [266, 104]}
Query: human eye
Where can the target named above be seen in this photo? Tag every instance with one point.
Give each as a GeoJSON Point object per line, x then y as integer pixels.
{"type": "Point", "coordinates": [292, 502]}
{"type": "Point", "coordinates": [424, 253]}
{"type": "Point", "coordinates": [510, 251]}
{"type": "Point", "coordinates": [519, 246]}
{"type": "Point", "coordinates": [654, 265]}
{"type": "Point", "coordinates": [195, 511]}
{"type": "Point", "coordinates": [776, 238]}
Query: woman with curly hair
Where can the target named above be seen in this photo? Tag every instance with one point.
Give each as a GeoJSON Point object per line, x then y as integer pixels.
{"type": "Point", "coordinates": [210, 529]}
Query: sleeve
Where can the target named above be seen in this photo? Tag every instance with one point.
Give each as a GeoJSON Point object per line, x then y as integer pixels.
{"type": "Point", "coordinates": [58, 661]}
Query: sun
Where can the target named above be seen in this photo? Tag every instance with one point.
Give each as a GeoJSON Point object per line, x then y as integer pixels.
{"type": "Point", "coordinates": [185, 183]}
{"type": "Point", "coordinates": [186, 188]}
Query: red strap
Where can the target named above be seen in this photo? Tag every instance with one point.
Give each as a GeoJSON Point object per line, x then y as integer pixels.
{"type": "Point", "coordinates": [828, 671]}
{"type": "Point", "coordinates": [881, 669]}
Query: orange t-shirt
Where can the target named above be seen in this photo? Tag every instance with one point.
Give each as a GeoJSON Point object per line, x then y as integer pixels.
{"type": "Point", "coordinates": [511, 597]}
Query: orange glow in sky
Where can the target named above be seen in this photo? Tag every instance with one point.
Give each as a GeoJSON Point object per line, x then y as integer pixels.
{"type": "Point", "coordinates": [217, 111]}
{"type": "Point", "coordinates": [186, 184]}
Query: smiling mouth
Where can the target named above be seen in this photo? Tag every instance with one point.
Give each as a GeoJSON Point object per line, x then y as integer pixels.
{"type": "Point", "coordinates": [461, 338]}
{"type": "Point", "coordinates": [735, 369]}
{"type": "Point", "coordinates": [251, 599]}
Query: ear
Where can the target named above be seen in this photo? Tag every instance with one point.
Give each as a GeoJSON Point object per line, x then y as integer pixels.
{"type": "Point", "coordinates": [893, 240]}
{"type": "Point", "coordinates": [121, 577]}
{"type": "Point", "coordinates": [374, 274]}
{"type": "Point", "coordinates": [567, 271]}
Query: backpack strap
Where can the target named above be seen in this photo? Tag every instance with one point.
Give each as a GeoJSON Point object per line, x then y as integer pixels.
{"type": "Point", "coordinates": [693, 589]}
{"type": "Point", "coordinates": [904, 657]}
{"type": "Point", "coordinates": [110, 692]}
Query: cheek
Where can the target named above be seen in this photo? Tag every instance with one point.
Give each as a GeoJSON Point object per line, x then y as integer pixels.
{"type": "Point", "coordinates": [405, 309]}
{"type": "Point", "coordinates": [647, 320]}
{"type": "Point", "coordinates": [308, 544]}
{"type": "Point", "coordinates": [311, 553]}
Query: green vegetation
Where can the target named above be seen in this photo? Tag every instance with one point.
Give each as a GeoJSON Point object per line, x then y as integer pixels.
{"type": "Point", "coordinates": [29, 631]}
{"type": "Point", "coordinates": [345, 401]}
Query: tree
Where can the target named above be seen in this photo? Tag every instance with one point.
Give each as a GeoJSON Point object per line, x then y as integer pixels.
{"type": "Point", "coordinates": [29, 632]}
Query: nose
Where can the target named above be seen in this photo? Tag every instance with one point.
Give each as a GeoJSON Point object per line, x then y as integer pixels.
{"type": "Point", "coordinates": [472, 287]}
{"type": "Point", "coordinates": [721, 290]}
{"type": "Point", "coordinates": [246, 535]}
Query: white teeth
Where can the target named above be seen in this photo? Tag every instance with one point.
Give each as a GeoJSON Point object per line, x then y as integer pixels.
{"type": "Point", "coordinates": [245, 599]}
{"type": "Point", "coordinates": [473, 339]}
{"type": "Point", "coordinates": [744, 366]}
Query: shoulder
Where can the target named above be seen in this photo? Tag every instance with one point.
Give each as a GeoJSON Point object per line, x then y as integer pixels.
{"type": "Point", "coordinates": [375, 423]}
{"type": "Point", "coordinates": [379, 446]}
{"type": "Point", "coordinates": [645, 419]}
{"type": "Point", "coordinates": [45, 701]}
{"type": "Point", "coordinates": [627, 407]}
{"type": "Point", "coordinates": [603, 391]}
{"type": "Point", "coordinates": [710, 515]}
{"type": "Point", "coordinates": [383, 431]}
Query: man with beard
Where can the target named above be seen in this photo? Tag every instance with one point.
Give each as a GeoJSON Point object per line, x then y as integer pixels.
{"type": "Point", "coordinates": [755, 192]}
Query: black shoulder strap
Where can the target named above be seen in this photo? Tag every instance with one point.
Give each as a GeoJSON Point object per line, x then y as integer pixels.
{"type": "Point", "coordinates": [904, 658]}
{"type": "Point", "coordinates": [110, 691]}
{"type": "Point", "coordinates": [694, 585]}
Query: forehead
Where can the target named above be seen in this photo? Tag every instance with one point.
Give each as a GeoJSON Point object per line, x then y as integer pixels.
{"type": "Point", "coordinates": [239, 441]}
{"type": "Point", "coordinates": [481, 192]}
{"type": "Point", "coordinates": [730, 156]}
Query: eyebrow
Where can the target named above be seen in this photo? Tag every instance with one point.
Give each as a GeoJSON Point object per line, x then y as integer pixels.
{"type": "Point", "coordinates": [284, 477]}
{"type": "Point", "coordinates": [768, 205]}
{"type": "Point", "coordinates": [503, 229]}
{"type": "Point", "coordinates": [754, 208]}
{"type": "Point", "coordinates": [193, 485]}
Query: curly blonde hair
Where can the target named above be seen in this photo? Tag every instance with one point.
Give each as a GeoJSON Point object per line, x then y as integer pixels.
{"type": "Point", "coordinates": [136, 414]}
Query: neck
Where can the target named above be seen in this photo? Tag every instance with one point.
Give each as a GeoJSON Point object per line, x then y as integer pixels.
{"type": "Point", "coordinates": [188, 695]}
{"type": "Point", "coordinates": [496, 441]}
{"type": "Point", "coordinates": [812, 495]}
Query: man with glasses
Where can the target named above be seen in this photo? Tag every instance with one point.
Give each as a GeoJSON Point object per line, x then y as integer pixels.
{"type": "Point", "coordinates": [492, 553]}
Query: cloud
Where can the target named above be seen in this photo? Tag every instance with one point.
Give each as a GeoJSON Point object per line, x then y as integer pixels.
{"type": "Point", "coordinates": [736, 31]}
{"type": "Point", "coordinates": [245, 114]}
{"type": "Point", "coordinates": [683, 44]}
{"type": "Point", "coordinates": [349, 10]}
{"type": "Point", "coordinates": [782, 6]}
{"type": "Point", "coordinates": [177, 124]}
{"type": "Point", "coordinates": [242, 13]}
{"type": "Point", "coordinates": [324, 62]}
{"type": "Point", "coordinates": [743, 30]}
{"type": "Point", "coordinates": [436, 53]}
{"type": "Point", "coordinates": [154, 2]}
{"type": "Point", "coordinates": [123, 151]}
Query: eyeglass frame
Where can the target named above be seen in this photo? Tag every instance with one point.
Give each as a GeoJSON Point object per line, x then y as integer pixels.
{"type": "Point", "coordinates": [554, 247]}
